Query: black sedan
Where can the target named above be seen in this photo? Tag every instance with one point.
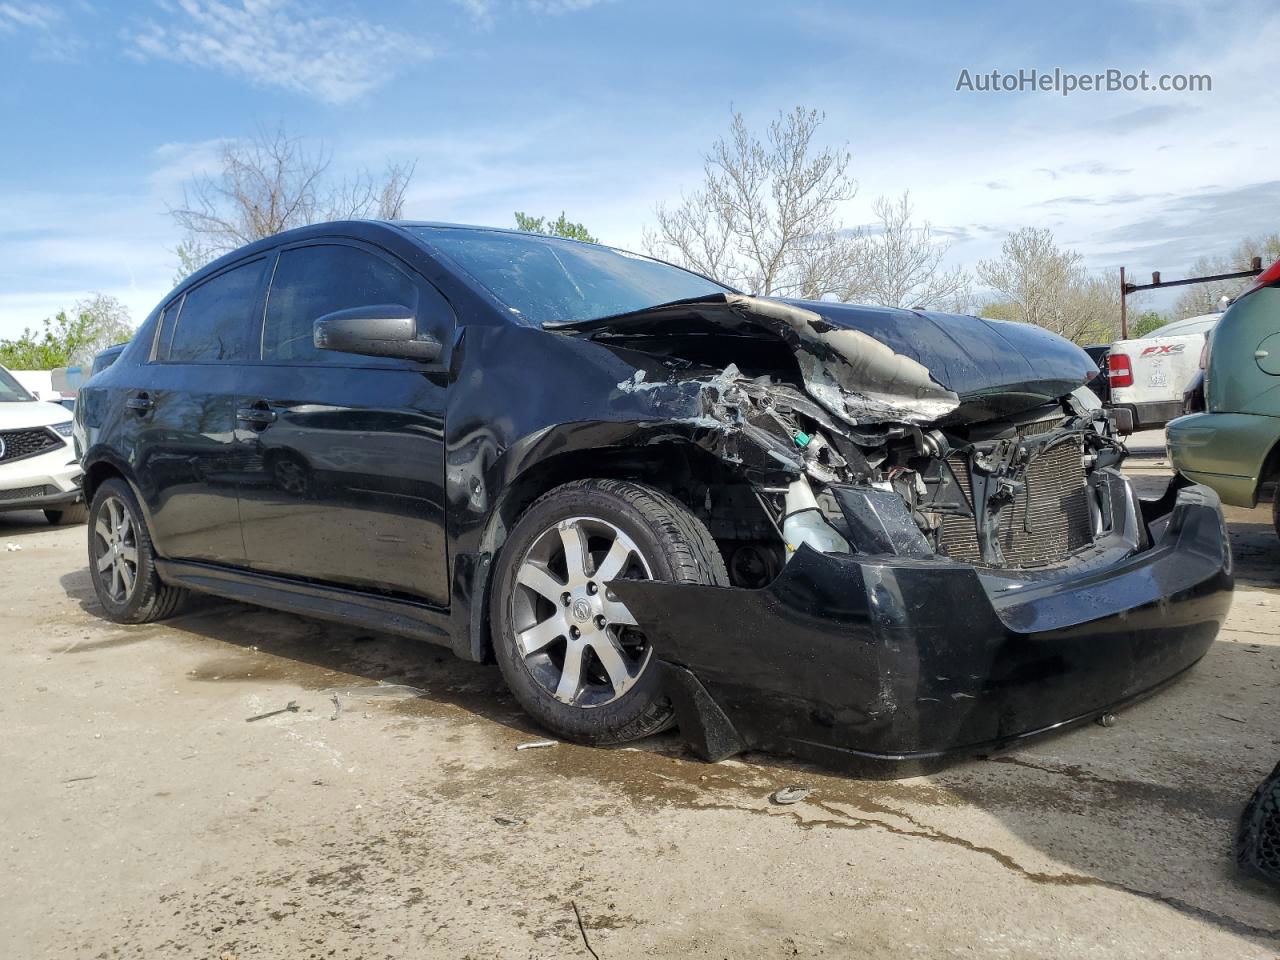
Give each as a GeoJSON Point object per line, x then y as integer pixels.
{"type": "Point", "coordinates": [873, 537]}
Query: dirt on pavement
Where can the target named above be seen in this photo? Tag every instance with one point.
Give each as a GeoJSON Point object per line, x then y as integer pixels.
{"type": "Point", "coordinates": [391, 814]}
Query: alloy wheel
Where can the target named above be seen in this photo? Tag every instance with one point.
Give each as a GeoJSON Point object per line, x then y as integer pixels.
{"type": "Point", "coordinates": [578, 640]}
{"type": "Point", "coordinates": [116, 549]}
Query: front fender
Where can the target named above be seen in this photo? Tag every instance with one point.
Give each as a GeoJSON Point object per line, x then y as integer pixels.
{"type": "Point", "coordinates": [527, 409]}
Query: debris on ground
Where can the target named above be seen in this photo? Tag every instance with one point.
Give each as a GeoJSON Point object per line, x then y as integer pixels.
{"type": "Point", "coordinates": [384, 687]}
{"type": "Point", "coordinates": [789, 795]}
{"type": "Point", "coordinates": [535, 744]}
{"type": "Point", "coordinates": [583, 930]}
{"type": "Point", "coordinates": [290, 707]}
{"type": "Point", "coordinates": [337, 706]}
{"type": "Point", "coordinates": [509, 820]}
{"type": "Point", "coordinates": [1108, 720]}
{"type": "Point", "coordinates": [13, 547]}
{"type": "Point", "coordinates": [1227, 716]}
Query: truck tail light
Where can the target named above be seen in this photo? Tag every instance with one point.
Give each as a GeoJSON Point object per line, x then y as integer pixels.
{"type": "Point", "coordinates": [1119, 370]}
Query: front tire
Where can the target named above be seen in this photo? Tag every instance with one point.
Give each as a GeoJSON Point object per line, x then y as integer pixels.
{"type": "Point", "coordinates": [122, 559]}
{"type": "Point", "coordinates": [75, 513]}
{"type": "Point", "coordinates": [571, 652]}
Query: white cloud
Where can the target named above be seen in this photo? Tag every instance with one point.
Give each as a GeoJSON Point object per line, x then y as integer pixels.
{"type": "Point", "coordinates": [45, 29]}
{"type": "Point", "coordinates": [280, 43]}
{"type": "Point", "coordinates": [562, 6]}
{"type": "Point", "coordinates": [1147, 180]}
{"type": "Point", "coordinates": [35, 16]}
{"type": "Point", "coordinates": [56, 247]}
{"type": "Point", "coordinates": [485, 12]}
{"type": "Point", "coordinates": [481, 11]}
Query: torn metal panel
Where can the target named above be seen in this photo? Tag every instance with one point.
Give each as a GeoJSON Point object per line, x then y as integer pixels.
{"type": "Point", "coordinates": [854, 376]}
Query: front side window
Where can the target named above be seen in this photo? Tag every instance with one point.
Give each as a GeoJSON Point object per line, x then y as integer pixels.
{"type": "Point", "coordinates": [545, 280]}
{"type": "Point", "coordinates": [216, 318]}
{"type": "Point", "coordinates": [310, 282]}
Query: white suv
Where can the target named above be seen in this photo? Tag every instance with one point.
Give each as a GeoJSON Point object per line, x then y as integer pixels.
{"type": "Point", "coordinates": [39, 463]}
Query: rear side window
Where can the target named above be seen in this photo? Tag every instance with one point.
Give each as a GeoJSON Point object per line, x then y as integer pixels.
{"type": "Point", "coordinates": [312, 281]}
{"type": "Point", "coordinates": [216, 319]}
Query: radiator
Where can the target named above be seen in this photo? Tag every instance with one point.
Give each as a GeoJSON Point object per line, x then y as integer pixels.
{"type": "Point", "coordinates": [1048, 520]}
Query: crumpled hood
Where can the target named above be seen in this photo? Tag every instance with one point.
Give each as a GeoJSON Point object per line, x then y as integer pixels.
{"type": "Point", "coordinates": [875, 365]}
{"type": "Point", "coordinates": [995, 367]}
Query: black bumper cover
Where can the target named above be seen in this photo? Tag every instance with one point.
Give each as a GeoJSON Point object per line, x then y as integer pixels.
{"type": "Point", "coordinates": [891, 666]}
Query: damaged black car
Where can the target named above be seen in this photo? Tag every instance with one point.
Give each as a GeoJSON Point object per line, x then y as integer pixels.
{"type": "Point", "coordinates": [870, 537]}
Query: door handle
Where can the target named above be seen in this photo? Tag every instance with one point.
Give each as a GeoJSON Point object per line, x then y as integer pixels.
{"type": "Point", "coordinates": [259, 415]}
{"type": "Point", "coordinates": [140, 404]}
{"type": "Point", "coordinates": [1261, 354]}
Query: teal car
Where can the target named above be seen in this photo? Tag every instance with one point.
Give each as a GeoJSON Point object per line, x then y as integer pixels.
{"type": "Point", "coordinates": [1234, 447]}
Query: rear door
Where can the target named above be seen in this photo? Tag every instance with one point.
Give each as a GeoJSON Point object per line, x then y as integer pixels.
{"type": "Point", "coordinates": [189, 460]}
{"type": "Point", "coordinates": [349, 450]}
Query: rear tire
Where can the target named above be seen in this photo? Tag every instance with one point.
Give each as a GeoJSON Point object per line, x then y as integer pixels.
{"type": "Point", "coordinates": [580, 666]}
{"type": "Point", "coordinates": [75, 513]}
{"type": "Point", "coordinates": [122, 559]}
{"type": "Point", "coordinates": [1275, 509]}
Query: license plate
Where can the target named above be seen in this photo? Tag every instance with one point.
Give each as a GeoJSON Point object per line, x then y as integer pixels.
{"type": "Point", "coordinates": [1156, 376]}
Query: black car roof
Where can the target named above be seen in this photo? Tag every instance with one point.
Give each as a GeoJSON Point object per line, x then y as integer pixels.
{"type": "Point", "coordinates": [353, 228]}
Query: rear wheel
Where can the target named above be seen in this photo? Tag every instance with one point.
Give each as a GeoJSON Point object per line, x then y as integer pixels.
{"type": "Point", "coordinates": [1275, 509]}
{"type": "Point", "coordinates": [75, 513]}
{"type": "Point", "coordinates": [570, 650]}
{"type": "Point", "coordinates": [122, 560]}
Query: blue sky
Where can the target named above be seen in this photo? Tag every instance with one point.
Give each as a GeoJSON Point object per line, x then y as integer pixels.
{"type": "Point", "coordinates": [604, 107]}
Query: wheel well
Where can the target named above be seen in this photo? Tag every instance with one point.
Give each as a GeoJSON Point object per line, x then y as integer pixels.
{"type": "Point", "coordinates": [682, 470]}
{"type": "Point", "coordinates": [688, 473]}
{"type": "Point", "coordinates": [96, 475]}
{"type": "Point", "coordinates": [1270, 472]}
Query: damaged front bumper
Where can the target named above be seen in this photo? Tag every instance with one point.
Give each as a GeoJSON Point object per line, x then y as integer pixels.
{"type": "Point", "coordinates": [890, 664]}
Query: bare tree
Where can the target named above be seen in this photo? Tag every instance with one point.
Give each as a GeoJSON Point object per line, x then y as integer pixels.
{"type": "Point", "coordinates": [1204, 298]}
{"type": "Point", "coordinates": [1036, 282]}
{"type": "Point", "coordinates": [764, 218]}
{"type": "Point", "coordinates": [270, 183]}
{"type": "Point", "coordinates": [106, 322]}
{"type": "Point", "coordinates": [899, 264]}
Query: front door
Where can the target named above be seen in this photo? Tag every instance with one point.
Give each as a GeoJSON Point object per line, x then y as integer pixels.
{"type": "Point", "coordinates": [348, 485]}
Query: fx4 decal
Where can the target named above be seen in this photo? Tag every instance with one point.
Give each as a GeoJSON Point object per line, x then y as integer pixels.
{"type": "Point", "coordinates": [1163, 350]}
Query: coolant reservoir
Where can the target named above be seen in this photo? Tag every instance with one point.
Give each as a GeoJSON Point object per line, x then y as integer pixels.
{"type": "Point", "coordinates": [805, 523]}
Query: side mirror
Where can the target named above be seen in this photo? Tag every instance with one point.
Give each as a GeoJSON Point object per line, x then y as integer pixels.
{"type": "Point", "coordinates": [379, 330]}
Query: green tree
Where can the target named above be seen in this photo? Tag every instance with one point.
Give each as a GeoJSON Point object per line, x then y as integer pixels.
{"type": "Point", "coordinates": [69, 338]}
{"type": "Point", "coordinates": [560, 227]}
{"type": "Point", "coordinates": [1146, 323]}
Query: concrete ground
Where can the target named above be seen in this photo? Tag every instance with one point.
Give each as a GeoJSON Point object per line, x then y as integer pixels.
{"type": "Point", "coordinates": [144, 817]}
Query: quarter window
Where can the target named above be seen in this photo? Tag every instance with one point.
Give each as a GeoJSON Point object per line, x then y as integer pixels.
{"type": "Point", "coordinates": [312, 281]}
{"type": "Point", "coordinates": [216, 317]}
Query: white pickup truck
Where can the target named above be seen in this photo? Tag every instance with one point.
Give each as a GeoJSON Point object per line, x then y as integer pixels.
{"type": "Point", "coordinates": [1147, 376]}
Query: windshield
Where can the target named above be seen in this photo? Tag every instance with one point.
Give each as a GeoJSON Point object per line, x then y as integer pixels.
{"type": "Point", "coordinates": [544, 280]}
{"type": "Point", "coordinates": [10, 389]}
